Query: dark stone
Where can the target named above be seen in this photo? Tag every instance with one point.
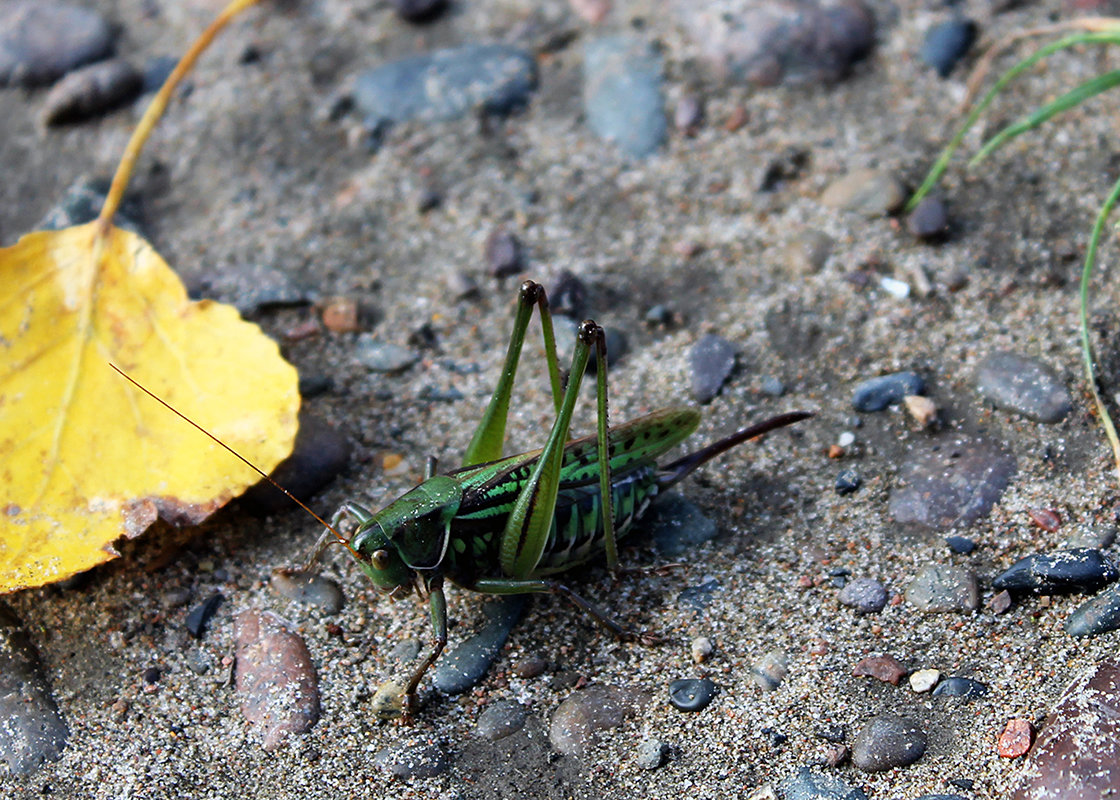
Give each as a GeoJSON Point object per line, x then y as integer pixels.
{"type": "Point", "coordinates": [961, 545]}
{"type": "Point", "coordinates": [464, 666]}
{"type": "Point", "coordinates": [698, 597]}
{"type": "Point", "coordinates": [964, 688]}
{"type": "Point", "coordinates": [568, 296]}
{"type": "Point", "coordinates": [848, 482]}
{"type": "Point", "coordinates": [677, 525]}
{"type": "Point", "coordinates": [1023, 385]}
{"type": "Point", "coordinates": [409, 759]}
{"type": "Point", "coordinates": [1082, 569]}
{"type": "Point", "coordinates": [200, 615]}
{"type": "Point", "coordinates": [622, 93]}
{"type": "Point", "coordinates": [319, 454]}
{"type": "Point", "coordinates": [947, 43]}
{"type": "Point", "coordinates": [951, 482]}
{"type": "Point", "coordinates": [503, 254]}
{"type": "Point", "coordinates": [809, 785]}
{"type": "Point", "coordinates": [91, 91]}
{"type": "Point", "coordinates": [501, 719]}
{"type": "Point", "coordinates": [710, 362]}
{"type": "Point", "coordinates": [929, 219]}
{"type": "Point", "coordinates": [865, 595]}
{"type": "Point", "coordinates": [447, 84]}
{"type": "Point", "coordinates": [419, 10]}
{"type": "Point", "coordinates": [876, 394]}
{"type": "Point", "coordinates": [886, 742]}
{"type": "Point", "coordinates": [82, 203]}
{"type": "Point", "coordinates": [40, 41]}
{"type": "Point", "coordinates": [1096, 616]}
{"type": "Point", "coordinates": [31, 728]}
{"type": "Point", "coordinates": [691, 694]}
{"type": "Point", "coordinates": [309, 588]}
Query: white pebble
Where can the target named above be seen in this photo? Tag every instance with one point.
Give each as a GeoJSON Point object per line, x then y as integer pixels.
{"type": "Point", "coordinates": [923, 680]}
{"type": "Point", "coordinates": [701, 649]}
{"type": "Point", "coordinates": [898, 288]}
{"type": "Point", "coordinates": [846, 439]}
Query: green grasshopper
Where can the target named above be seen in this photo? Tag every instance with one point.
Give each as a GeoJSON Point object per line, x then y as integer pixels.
{"type": "Point", "coordinates": [505, 525]}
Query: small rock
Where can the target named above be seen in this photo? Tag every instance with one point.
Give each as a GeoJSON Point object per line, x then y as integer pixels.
{"type": "Point", "coordinates": [406, 650]}
{"type": "Point", "coordinates": [383, 356]}
{"type": "Point", "coordinates": [446, 84]}
{"type": "Point", "coordinates": [1062, 572]}
{"type": "Point", "coordinates": [688, 114]}
{"type": "Point", "coordinates": [529, 667]}
{"type": "Point", "coordinates": [31, 728]}
{"type": "Point", "coordinates": [156, 71]}
{"type": "Point", "coordinates": [200, 615]}
{"type": "Point", "coordinates": [500, 720]}
{"type": "Point", "coordinates": [894, 287]}
{"type": "Point", "coordinates": [91, 91]}
{"type": "Point", "coordinates": [807, 252]}
{"type": "Point", "coordinates": [586, 712]}
{"type": "Point", "coordinates": [82, 203]}
{"type": "Point", "coordinates": [275, 678]}
{"type": "Point", "coordinates": [651, 754]}
{"type": "Point", "coordinates": [865, 595]}
{"type": "Point", "coordinates": [1077, 755]}
{"type": "Point", "coordinates": [929, 220]}
{"type": "Point", "coordinates": [342, 315]}
{"type": "Point", "coordinates": [622, 93]}
{"type": "Point", "coordinates": [951, 481]}
{"type": "Point", "coordinates": [946, 43]}
{"type": "Point", "coordinates": [503, 254]}
{"type": "Point", "coordinates": [412, 760]}
{"type": "Point", "coordinates": [710, 362]}
{"type": "Point", "coordinates": [1045, 518]}
{"type": "Point", "coordinates": [922, 409]}
{"type": "Point", "coordinates": [567, 295]}
{"type": "Point", "coordinates": [419, 10]}
{"type": "Point", "coordinates": [923, 680]}
{"type": "Point", "coordinates": [1097, 616]}
{"type": "Point", "coordinates": [464, 666]}
{"type": "Point", "coordinates": [691, 694]}
{"type": "Point", "coordinates": [964, 688]}
{"type": "Point", "coordinates": [701, 648]}
{"type": "Point", "coordinates": [772, 386]}
{"type": "Point", "coordinates": [41, 40]}
{"type": "Point", "coordinates": [886, 742]}
{"type": "Point", "coordinates": [941, 588]}
{"type": "Point", "coordinates": [960, 545]}
{"type": "Point", "coordinates": [309, 588]}
{"type": "Point", "coordinates": [868, 192]}
{"type": "Point", "coordinates": [1023, 385]}
{"type": "Point", "coordinates": [848, 482]}
{"type": "Point", "coordinates": [884, 668]}
{"type": "Point", "coordinates": [1000, 602]}
{"type": "Point", "coordinates": [677, 526]}
{"type": "Point", "coordinates": [770, 670]}
{"type": "Point", "coordinates": [808, 785]}
{"type": "Point", "coordinates": [320, 453]}
{"type": "Point", "coordinates": [876, 394]}
{"type": "Point", "coordinates": [1016, 738]}
{"type": "Point", "coordinates": [699, 597]}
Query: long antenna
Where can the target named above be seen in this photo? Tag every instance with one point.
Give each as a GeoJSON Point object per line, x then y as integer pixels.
{"type": "Point", "coordinates": [341, 539]}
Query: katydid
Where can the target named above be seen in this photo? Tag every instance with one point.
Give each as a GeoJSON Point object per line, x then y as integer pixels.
{"type": "Point", "coordinates": [505, 525]}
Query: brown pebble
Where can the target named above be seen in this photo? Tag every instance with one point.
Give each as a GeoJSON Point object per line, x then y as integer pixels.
{"type": "Point", "coordinates": [1000, 602]}
{"type": "Point", "coordinates": [1045, 518]}
{"type": "Point", "coordinates": [835, 451]}
{"type": "Point", "coordinates": [884, 668]}
{"type": "Point", "coordinates": [529, 667]}
{"type": "Point", "coordinates": [1015, 740]}
{"type": "Point", "coordinates": [922, 409]}
{"type": "Point", "coordinates": [503, 254]}
{"type": "Point", "coordinates": [835, 755]}
{"type": "Point", "coordinates": [275, 678]}
{"type": "Point", "coordinates": [90, 91]}
{"type": "Point", "coordinates": [341, 315]}
{"type": "Point", "coordinates": [738, 118]}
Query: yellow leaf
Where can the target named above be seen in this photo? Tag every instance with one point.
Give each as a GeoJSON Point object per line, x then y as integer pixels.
{"type": "Point", "coordinates": [85, 457]}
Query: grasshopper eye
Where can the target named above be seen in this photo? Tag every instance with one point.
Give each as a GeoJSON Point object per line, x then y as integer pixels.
{"type": "Point", "coordinates": [381, 559]}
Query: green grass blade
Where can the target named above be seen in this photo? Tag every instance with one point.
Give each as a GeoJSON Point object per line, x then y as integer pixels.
{"type": "Point", "coordinates": [942, 163]}
{"type": "Point", "coordinates": [1086, 347]}
{"type": "Point", "coordinates": [1074, 97]}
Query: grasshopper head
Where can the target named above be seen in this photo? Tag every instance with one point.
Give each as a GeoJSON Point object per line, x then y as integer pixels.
{"type": "Point", "coordinates": [409, 535]}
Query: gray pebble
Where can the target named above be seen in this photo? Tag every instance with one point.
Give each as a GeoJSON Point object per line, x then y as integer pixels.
{"type": "Point", "coordinates": [691, 694]}
{"type": "Point", "coordinates": [199, 616]}
{"type": "Point", "coordinates": [951, 481]}
{"type": "Point", "coordinates": [1099, 615]}
{"type": "Point", "coordinates": [697, 598]}
{"type": "Point", "coordinates": [772, 387]}
{"type": "Point", "coordinates": [91, 91]}
{"type": "Point", "coordinates": [622, 93]}
{"type": "Point", "coordinates": [710, 362]}
{"type": "Point", "coordinates": [1024, 385]}
{"type": "Point", "coordinates": [447, 84]}
{"type": "Point", "coordinates": [770, 42]}
{"type": "Point", "coordinates": [770, 670]}
{"type": "Point", "coordinates": [584, 713]}
{"type": "Point", "coordinates": [82, 203]}
{"type": "Point", "coordinates": [677, 525]}
{"type": "Point", "coordinates": [876, 394]}
{"type": "Point", "coordinates": [869, 192]}
{"type": "Point", "coordinates": [406, 649]}
{"type": "Point", "coordinates": [946, 43]}
{"type": "Point", "coordinates": [651, 753]}
{"type": "Point", "coordinates": [886, 742]}
{"type": "Point", "coordinates": [309, 588]}
{"type": "Point", "coordinates": [961, 545]}
{"type": "Point", "coordinates": [381, 356]}
{"type": "Point", "coordinates": [412, 760]}
{"type": "Point", "coordinates": [31, 728]}
{"type": "Point", "coordinates": [465, 665]}
{"type": "Point", "coordinates": [806, 253]}
{"type": "Point", "coordinates": [941, 588]}
{"type": "Point", "coordinates": [503, 255]}
{"type": "Point", "coordinates": [865, 595]}
{"type": "Point", "coordinates": [500, 720]}
{"type": "Point", "coordinates": [964, 688]}
{"type": "Point", "coordinates": [809, 785]}
{"type": "Point", "coordinates": [847, 482]}
{"type": "Point", "coordinates": [40, 41]}
{"type": "Point", "coordinates": [929, 219]}
{"type": "Point", "coordinates": [1082, 569]}
{"type": "Point", "coordinates": [250, 287]}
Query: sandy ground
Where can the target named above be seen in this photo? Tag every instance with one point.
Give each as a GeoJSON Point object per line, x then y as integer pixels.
{"type": "Point", "coordinates": [247, 170]}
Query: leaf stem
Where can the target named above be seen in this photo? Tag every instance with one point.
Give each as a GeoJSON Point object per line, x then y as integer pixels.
{"type": "Point", "coordinates": [156, 108]}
